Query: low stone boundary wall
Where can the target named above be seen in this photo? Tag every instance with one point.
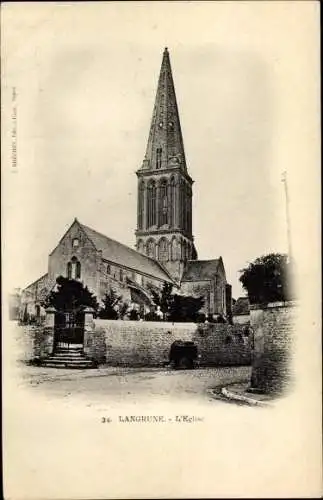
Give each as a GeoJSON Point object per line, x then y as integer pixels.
{"type": "Point", "coordinates": [134, 343]}
{"type": "Point", "coordinates": [33, 342]}
{"type": "Point", "coordinates": [145, 343]}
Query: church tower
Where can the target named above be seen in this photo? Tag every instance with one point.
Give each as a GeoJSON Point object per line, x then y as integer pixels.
{"type": "Point", "coordinates": [164, 209]}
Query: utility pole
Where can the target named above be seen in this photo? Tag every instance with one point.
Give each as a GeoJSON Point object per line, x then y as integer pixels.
{"type": "Point", "coordinates": [284, 180]}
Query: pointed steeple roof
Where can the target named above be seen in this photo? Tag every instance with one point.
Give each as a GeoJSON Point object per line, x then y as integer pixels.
{"type": "Point", "coordinates": [165, 143]}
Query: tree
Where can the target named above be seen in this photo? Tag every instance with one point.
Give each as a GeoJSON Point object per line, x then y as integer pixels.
{"type": "Point", "coordinates": [70, 295]}
{"type": "Point", "coordinates": [163, 298]}
{"type": "Point", "coordinates": [108, 311]}
{"type": "Point", "coordinates": [123, 309]}
{"type": "Point", "coordinates": [266, 279]}
{"type": "Point", "coordinates": [185, 308]}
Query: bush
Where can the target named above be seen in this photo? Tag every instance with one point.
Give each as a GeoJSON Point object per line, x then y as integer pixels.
{"type": "Point", "coordinates": [151, 316]}
{"type": "Point", "coordinates": [266, 279]}
{"type": "Point", "coordinates": [200, 317]}
{"type": "Point", "coordinates": [134, 315]}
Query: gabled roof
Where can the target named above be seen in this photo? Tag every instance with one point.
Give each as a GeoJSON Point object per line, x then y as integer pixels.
{"type": "Point", "coordinates": [241, 306]}
{"type": "Point", "coordinates": [201, 269]}
{"type": "Point", "coordinates": [116, 252]}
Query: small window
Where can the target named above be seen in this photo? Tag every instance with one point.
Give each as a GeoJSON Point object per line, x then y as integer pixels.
{"type": "Point", "coordinates": [78, 270]}
{"type": "Point", "coordinates": [121, 275]}
{"type": "Point", "coordinates": [108, 269]}
{"type": "Point", "coordinates": [69, 270]}
{"type": "Point", "coordinates": [75, 242]}
{"type": "Point", "coordinates": [158, 157]}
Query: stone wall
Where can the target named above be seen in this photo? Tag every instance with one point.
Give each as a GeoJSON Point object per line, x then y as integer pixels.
{"type": "Point", "coordinates": [33, 342]}
{"type": "Point", "coordinates": [272, 327]}
{"type": "Point", "coordinates": [241, 319]}
{"type": "Point", "coordinates": [145, 343]}
{"type": "Point", "coordinates": [133, 343]}
{"type": "Point", "coordinates": [223, 345]}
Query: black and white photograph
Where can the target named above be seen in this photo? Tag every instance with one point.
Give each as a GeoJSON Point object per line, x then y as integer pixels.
{"type": "Point", "coordinates": [161, 250]}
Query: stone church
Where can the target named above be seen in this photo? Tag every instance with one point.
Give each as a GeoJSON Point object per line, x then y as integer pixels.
{"type": "Point", "coordinates": [165, 249]}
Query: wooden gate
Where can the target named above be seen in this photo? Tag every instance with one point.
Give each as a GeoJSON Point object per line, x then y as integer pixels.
{"type": "Point", "coordinates": [69, 329]}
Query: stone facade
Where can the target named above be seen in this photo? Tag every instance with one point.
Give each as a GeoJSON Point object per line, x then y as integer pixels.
{"type": "Point", "coordinates": [15, 305]}
{"type": "Point", "coordinates": [272, 326]}
{"type": "Point", "coordinates": [207, 279]}
{"type": "Point", "coordinates": [100, 263]}
{"type": "Point", "coordinates": [32, 296]}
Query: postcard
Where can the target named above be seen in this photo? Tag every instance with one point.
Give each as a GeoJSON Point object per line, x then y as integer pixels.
{"type": "Point", "coordinates": [161, 250]}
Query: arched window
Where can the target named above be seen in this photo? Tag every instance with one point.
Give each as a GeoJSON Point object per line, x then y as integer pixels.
{"type": "Point", "coordinates": [187, 208]}
{"type": "Point", "coordinates": [172, 202]}
{"type": "Point", "coordinates": [174, 248]}
{"type": "Point", "coordinates": [189, 200]}
{"type": "Point", "coordinates": [163, 250]}
{"type": "Point", "coordinates": [184, 251]}
{"type": "Point", "coordinates": [141, 192]}
{"type": "Point", "coordinates": [182, 204]}
{"type": "Point", "coordinates": [73, 269]}
{"type": "Point", "coordinates": [78, 270]}
{"type": "Point", "coordinates": [163, 205]}
{"type": "Point", "coordinates": [151, 201]}
{"type": "Point", "coordinates": [151, 248]}
{"type": "Point", "coordinates": [140, 246]}
{"type": "Point", "coordinates": [158, 157]}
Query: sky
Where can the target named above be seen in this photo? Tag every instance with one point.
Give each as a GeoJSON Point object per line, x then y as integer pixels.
{"type": "Point", "coordinates": [86, 75]}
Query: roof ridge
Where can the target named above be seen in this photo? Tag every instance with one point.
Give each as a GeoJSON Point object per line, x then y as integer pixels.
{"type": "Point", "coordinates": [133, 251]}
{"type": "Point", "coordinates": [203, 260]}
{"type": "Point", "coordinates": [119, 243]}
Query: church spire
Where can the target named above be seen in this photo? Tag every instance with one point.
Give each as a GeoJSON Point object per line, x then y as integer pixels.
{"type": "Point", "coordinates": [164, 208]}
{"type": "Point", "coordinates": [165, 143]}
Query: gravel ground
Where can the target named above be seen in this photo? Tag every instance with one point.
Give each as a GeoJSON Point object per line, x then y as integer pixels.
{"type": "Point", "coordinates": [126, 384]}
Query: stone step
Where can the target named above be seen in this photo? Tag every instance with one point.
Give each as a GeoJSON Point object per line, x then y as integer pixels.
{"type": "Point", "coordinates": [68, 354]}
{"type": "Point", "coordinates": [72, 359]}
{"type": "Point", "coordinates": [80, 365]}
{"type": "Point", "coordinates": [71, 347]}
{"type": "Point", "coordinates": [66, 358]}
{"type": "Point", "coordinates": [59, 363]}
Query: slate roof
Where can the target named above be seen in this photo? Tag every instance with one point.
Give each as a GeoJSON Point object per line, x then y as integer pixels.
{"type": "Point", "coordinates": [241, 306]}
{"type": "Point", "coordinates": [200, 269]}
{"type": "Point", "coordinates": [116, 252]}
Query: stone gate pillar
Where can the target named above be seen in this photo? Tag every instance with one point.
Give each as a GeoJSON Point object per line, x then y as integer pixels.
{"type": "Point", "coordinates": [47, 340]}
{"type": "Point", "coordinates": [88, 328]}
